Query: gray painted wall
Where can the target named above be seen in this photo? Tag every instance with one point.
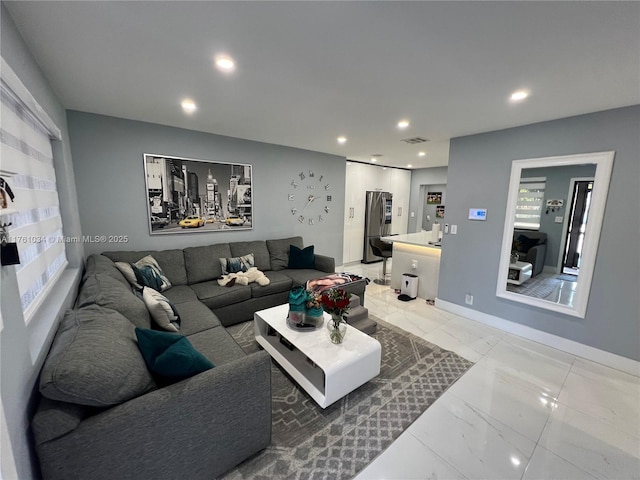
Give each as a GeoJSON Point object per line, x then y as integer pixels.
{"type": "Point", "coordinates": [557, 187]}
{"type": "Point", "coordinates": [110, 179]}
{"type": "Point", "coordinates": [18, 369]}
{"type": "Point", "coordinates": [478, 176]}
{"type": "Point", "coordinates": [423, 176]}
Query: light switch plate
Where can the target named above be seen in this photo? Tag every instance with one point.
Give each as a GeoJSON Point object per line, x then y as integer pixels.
{"type": "Point", "coordinates": [454, 229]}
{"type": "Point", "coordinates": [559, 219]}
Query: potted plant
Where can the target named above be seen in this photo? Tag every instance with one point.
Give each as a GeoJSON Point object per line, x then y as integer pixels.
{"type": "Point", "coordinates": [336, 303]}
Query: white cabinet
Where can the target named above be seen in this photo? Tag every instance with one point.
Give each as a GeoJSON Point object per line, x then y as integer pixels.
{"type": "Point", "coordinates": [359, 179]}
{"type": "Point", "coordinates": [400, 185]}
{"type": "Point", "coordinates": [354, 212]}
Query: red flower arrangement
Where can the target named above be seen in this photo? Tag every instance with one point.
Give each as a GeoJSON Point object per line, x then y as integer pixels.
{"type": "Point", "coordinates": [335, 302]}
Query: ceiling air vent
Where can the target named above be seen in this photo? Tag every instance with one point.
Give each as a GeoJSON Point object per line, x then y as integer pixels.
{"type": "Point", "coordinates": [415, 140]}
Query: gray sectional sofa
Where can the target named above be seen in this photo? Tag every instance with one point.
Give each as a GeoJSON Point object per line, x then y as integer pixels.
{"type": "Point", "coordinates": [532, 248]}
{"type": "Point", "coordinates": [103, 415]}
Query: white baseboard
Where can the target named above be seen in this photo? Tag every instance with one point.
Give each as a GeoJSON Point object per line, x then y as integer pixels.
{"type": "Point", "coordinates": [612, 360]}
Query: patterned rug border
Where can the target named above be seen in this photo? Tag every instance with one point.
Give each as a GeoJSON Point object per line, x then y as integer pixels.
{"type": "Point", "coordinates": [366, 428]}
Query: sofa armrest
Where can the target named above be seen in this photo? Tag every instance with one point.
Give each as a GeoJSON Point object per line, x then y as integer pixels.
{"type": "Point", "coordinates": [536, 257]}
{"type": "Point", "coordinates": [325, 264]}
{"type": "Point", "coordinates": [199, 427]}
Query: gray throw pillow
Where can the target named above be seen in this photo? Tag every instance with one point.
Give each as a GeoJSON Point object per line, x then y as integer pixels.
{"type": "Point", "coordinates": [237, 264]}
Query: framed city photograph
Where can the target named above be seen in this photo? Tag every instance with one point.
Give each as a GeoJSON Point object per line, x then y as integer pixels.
{"type": "Point", "coordinates": [185, 195]}
{"type": "Point", "coordinates": [434, 198]}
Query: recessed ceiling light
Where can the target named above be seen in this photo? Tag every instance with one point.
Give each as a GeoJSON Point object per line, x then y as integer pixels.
{"type": "Point", "coordinates": [384, 168]}
{"type": "Point", "coordinates": [403, 123]}
{"type": "Point", "coordinates": [421, 154]}
{"type": "Point", "coordinates": [374, 160]}
{"type": "Point", "coordinates": [342, 139]}
{"type": "Point", "coordinates": [409, 166]}
{"type": "Point", "coordinates": [225, 63]}
{"type": "Point", "coordinates": [188, 106]}
{"type": "Point", "coordinates": [519, 95]}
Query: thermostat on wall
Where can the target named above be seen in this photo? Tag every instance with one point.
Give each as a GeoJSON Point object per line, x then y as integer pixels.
{"type": "Point", "coordinates": [477, 214]}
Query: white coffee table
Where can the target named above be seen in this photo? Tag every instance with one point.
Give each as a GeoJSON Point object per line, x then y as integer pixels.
{"type": "Point", "coordinates": [327, 372]}
{"type": "Point", "coordinates": [519, 273]}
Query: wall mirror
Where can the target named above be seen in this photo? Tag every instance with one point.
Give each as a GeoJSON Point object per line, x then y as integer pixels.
{"type": "Point", "coordinates": [552, 228]}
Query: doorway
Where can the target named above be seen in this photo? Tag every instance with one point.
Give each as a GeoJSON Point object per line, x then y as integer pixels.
{"type": "Point", "coordinates": [581, 192]}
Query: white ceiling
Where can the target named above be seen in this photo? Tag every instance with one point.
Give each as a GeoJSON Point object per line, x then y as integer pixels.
{"type": "Point", "coordinates": [308, 72]}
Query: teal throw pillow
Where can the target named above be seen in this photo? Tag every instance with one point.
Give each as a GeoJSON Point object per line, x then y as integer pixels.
{"type": "Point", "coordinates": [526, 243]}
{"type": "Point", "coordinates": [170, 355]}
{"type": "Point", "coordinates": [301, 258]}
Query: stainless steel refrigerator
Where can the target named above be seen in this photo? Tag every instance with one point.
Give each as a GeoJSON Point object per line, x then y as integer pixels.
{"type": "Point", "coordinates": [377, 221]}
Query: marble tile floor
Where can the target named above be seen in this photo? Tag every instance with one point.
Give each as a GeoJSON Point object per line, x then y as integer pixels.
{"type": "Point", "coordinates": [523, 411]}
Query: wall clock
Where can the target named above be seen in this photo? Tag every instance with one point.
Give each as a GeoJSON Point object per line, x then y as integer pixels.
{"type": "Point", "coordinates": [309, 198]}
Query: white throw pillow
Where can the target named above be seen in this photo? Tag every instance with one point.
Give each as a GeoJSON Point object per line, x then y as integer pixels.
{"type": "Point", "coordinates": [162, 311]}
{"type": "Point", "coordinates": [147, 267]}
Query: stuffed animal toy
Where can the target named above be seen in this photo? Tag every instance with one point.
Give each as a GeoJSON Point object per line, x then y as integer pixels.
{"type": "Point", "coordinates": [244, 278]}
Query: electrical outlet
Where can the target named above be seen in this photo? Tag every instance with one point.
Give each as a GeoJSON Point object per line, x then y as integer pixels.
{"type": "Point", "coordinates": [559, 219]}
{"type": "Point", "coordinates": [413, 214]}
{"type": "Point", "coordinates": [468, 299]}
{"type": "Point", "coordinates": [414, 264]}
{"type": "Point", "coordinates": [454, 229]}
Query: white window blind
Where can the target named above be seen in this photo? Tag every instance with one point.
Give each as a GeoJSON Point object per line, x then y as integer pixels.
{"type": "Point", "coordinates": [530, 202]}
{"type": "Point", "coordinates": [34, 214]}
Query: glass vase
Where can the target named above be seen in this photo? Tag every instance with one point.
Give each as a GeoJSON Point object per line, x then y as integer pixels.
{"type": "Point", "coordinates": [337, 329]}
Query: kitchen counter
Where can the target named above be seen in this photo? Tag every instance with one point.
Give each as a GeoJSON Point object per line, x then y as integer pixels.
{"type": "Point", "coordinates": [414, 249]}
{"type": "Point", "coordinates": [421, 239]}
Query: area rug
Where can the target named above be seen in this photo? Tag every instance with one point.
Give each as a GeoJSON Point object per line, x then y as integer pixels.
{"type": "Point", "coordinates": [308, 442]}
{"type": "Point", "coordinates": [567, 277]}
{"type": "Point", "coordinates": [538, 287]}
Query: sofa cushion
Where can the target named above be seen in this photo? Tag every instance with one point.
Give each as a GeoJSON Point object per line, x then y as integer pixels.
{"type": "Point", "coordinates": [301, 258]}
{"type": "Point", "coordinates": [215, 296]}
{"type": "Point", "coordinates": [217, 345]}
{"type": "Point", "coordinates": [196, 317]}
{"type": "Point", "coordinates": [180, 294]}
{"type": "Point", "coordinates": [96, 263]}
{"type": "Point", "coordinates": [279, 282]}
{"type": "Point", "coordinates": [94, 360]}
{"type": "Point", "coordinates": [279, 251]}
{"type": "Point", "coordinates": [237, 264]}
{"type": "Point", "coordinates": [203, 263]}
{"type": "Point", "coordinates": [145, 273]}
{"type": "Point", "coordinates": [169, 355]}
{"type": "Point", "coordinates": [170, 261]}
{"type": "Point", "coordinates": [162, 311]}
{"type": "Point", "coordinates": [103, 290]}
{"type": "Point", "coordinates": [259, 250]}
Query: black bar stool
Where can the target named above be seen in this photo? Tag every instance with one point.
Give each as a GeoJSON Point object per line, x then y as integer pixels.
{"type": "Point", "coordinates": [384, 250]}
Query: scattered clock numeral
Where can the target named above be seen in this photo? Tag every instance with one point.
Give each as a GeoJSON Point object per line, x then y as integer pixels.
{"type": "Point", "coordinates": [328, 198]}
{"type": "Point", "coordinates": [311, 222]}
{"type": "Point", "coordinates": [311, 174]}
{"type": "Point", "coordinates": [292, 197]}
{"type": "Point", "coordinates": [294, 184]}
{"type": "Point", "coordinates": [320, 218]}
{"type": "Point", "coordinates": [326, 209]}
{"type": "Point", "coordinates": [302, 175]}
{"type": "Point", "coordinates": [321, 177]}
{"type": "Point", "coordinates": [327, 186]}
{"type": "Point", "coordinates": [301, 218]}
{"type": "Point", "coordinates": [293, 211]}
{"type": "Point", "coordinates": [311, 187]}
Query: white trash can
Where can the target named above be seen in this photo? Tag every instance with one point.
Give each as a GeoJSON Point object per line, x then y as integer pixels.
{"type": "Point", "coordinates": [409, 288]}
